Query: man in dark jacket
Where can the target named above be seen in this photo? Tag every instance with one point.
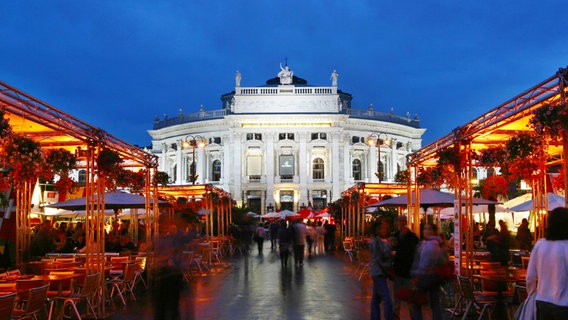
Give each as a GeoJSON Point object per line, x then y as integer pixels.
{"type": "Point", "coordinates": [404, 243]}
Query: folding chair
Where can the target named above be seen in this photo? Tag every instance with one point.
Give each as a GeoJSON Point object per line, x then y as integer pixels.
{"type": "Point", "coordinates": [7, 305]}
{"type": "Point", "coordinates": [348, 248]}
{"type": "Point", "coordinates": [86, 294]}
{"type": "Point", "coordinates": [37, 297]}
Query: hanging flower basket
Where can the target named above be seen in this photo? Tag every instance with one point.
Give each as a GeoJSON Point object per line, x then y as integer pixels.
{"type": "Point", "coordinates": [5, 128]}
{"type": "Point", "coordinates": [160, 178]}
{"type": "Point", "coordinates": [108, 161]}
{"type": "Point", "coordinates": [558, 181]}
{"type": "Point", "coordinates": [24, 158]}
{"type": "Point", "coordinates": [550, 120]}
{"type": "Point", "coordinates": [431, 177]}
{"type": "Point", "coordinates": [65, 184]}
{"type": "Point", "coordinates": [525, 157]}
{"type": "Point", "coordinates": [60, 162]}
{"type": "Point", "coordinates": [495, 186]}
{"type": "Point", "coordinates": [493, 157]}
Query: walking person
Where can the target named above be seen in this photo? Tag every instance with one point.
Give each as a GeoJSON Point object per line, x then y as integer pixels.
{"type": "Point", "coordinates": [310, 236]}
{"type": "Point", "coordinates": [169, 282]}
{"type": "Point", "coordinates": [259, 235]}
{"type": "Point", "coordinates": [430, 253]}
{"type": "Point", "coordinates": [299, 242]}
{"type": "Point", "coordinates": [273, 229]}
{"type": "Point", "coordinates": [404, 244]}
{"type": "Point", "coordinates": [548, 264]}
{"type": "Point", "coordinates": [381, 266]}
{"type": "Point", "coordinates": [284, 242]}
{"type": "Point", "coordinates": [320, 243]}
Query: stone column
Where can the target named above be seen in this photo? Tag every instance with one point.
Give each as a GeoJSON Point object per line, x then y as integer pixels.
{"type": "Point", "coordinates": [270, 169]}
{"type": "Point", "coordinates": [393, 162]}
{"type": "Point", "coordinates": [200, 165]}
{"type": "Point", "coordinates": [227, 160]}
{"type": "Point", "coordinates": [372, 164]}
{"type": "Point", "coordinates": [304, 165]}
{"type": "Point", "coordinates": [179, 163]}
{"type": "Point", "coordinates": [237, 167]}
{"type": "Point", "coordinates": [335, 165]}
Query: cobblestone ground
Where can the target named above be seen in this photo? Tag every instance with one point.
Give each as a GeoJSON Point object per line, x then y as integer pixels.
{"type": "Point", "coordinates": [258, 287]}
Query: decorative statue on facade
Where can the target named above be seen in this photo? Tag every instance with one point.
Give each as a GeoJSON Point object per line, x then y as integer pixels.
{"type": "Point", "coordinates": [334, 77]}
{"type": "Point", "coordinates": [286, 75]}
{"type": "Point", "coordinates": [238, 78]}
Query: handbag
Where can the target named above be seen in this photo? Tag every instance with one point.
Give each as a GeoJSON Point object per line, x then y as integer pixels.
{"type": "Point", "coordinates": [412, 295]}
{"type": "Point", "coordinates": [445, 271]}
{"type": "Point", "coordinates": [527, 309]}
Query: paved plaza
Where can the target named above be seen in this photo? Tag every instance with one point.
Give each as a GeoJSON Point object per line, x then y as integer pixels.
{"type": "Point", "coordinates": [257, 287]}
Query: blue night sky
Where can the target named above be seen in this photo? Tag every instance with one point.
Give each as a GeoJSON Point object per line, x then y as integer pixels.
{"type": "Point", "coordinates": [119, 64]}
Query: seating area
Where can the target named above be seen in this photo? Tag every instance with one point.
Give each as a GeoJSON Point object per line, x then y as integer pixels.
{"type": "Point", "coordinates": [71, 289]}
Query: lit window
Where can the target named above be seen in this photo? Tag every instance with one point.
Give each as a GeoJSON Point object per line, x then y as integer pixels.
{"type": "Point", "coordinates": [216, 174]}
{"type": "Point", "coordinates": [318, 169]}
{"type": "Point", "coordinates": [357, 169]}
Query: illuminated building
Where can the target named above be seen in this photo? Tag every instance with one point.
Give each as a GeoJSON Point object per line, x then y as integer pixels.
{"type": "Point", "coordinates": [285, 144]}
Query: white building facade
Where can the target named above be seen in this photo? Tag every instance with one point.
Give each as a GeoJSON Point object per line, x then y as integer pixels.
{"type": "Point", "coordinates": [285, 144]}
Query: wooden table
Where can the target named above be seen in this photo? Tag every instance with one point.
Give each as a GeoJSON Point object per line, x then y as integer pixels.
{"type": "Point", "coordinates": [502, 285]}
{"type": "Point", "coordinates": [57, 279]}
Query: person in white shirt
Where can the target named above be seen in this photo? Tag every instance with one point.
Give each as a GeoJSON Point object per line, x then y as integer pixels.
{"type": "Point", "coordinates": [547, 272]}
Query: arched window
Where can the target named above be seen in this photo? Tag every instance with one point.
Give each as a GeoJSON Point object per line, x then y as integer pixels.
{"type": "Point", "coordinates": [82, 176]}
{"type": "Point", "coordinates": [356, 169]}
{"type": "Point", "coordinates": [318, 169]}
{"type": "Point", "coordinates": [216, 174]}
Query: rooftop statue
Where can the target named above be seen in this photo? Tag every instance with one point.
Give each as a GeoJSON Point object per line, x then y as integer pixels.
{"type": "Point", "coordinates": [334, 77]}
{"type": "Point", "coordinates": [285, 75]}
{"type": "Point", "coordinates": [238, 78]}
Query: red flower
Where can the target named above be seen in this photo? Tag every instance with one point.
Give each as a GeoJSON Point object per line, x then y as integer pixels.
{"type": "Point", "coordinates": [494, 186]}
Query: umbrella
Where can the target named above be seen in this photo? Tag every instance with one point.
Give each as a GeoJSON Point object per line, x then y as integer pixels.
{"type": "Point", "coordinates": [270, 215]}
{"type": "Point", "coordinates": [476, 209]}
{"type": "Point", "coordinates": [70, 213]}
{"type": "Point", "coordinates": [286, 214]}
{"type": "Point", "coordinates": [430, 198]}
{"type": "Point", "coordinates": [113, 200]}
{"type": "Point", "coordinates": [253, 214]}
{"type": "Point", "coordinates": [554, 201]}
{"type": "Point", "coordinates": [306, 213]}
{"type": "Point", "coordinates": [323, 215]}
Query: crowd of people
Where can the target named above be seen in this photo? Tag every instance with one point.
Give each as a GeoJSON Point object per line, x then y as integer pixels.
{"type": "Point", "coordinates": [408, 263]}
{"type": "Point", "coordinates": [292, 237]}
{"type": "Point", "coordinates": [68, 237]}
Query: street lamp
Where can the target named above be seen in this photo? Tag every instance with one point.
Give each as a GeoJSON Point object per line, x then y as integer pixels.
{"type": "Point", "coordinates": [193, 142]}
{"type": "Point", "coordinates": [375, 139]}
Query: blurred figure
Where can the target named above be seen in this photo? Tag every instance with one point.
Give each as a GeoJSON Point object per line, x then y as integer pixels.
{"type": "Point", "coordinates": [273, 234]}
{"type": "Point", "coordinates": [299, 242]}
{"type": "Point", "coordinates": [44, 241]}
{"type": "Point", "coordinates": [169, 282]}
{"type": "Point", "coordinates": [284, 242]}
{"type": "Point", "coordinates": [498, 244]}
{"type": "Point", "coordinates": [320, 243]}
{"type": "Point", "coordinates": [260, 233]}
{"type": "Point", "coordinates": [381, 264]}
{"type": "Point", "coordinates": [548, 263]}
{"type": "Point", "coordinates": [329, 238]}
{"type": "Point", "coordinates": [428, 256]}
{"type": "Point", "coordinates": [404, 244]}
{"type": "Point", "coordinates": [524, 236]}
{"type": "Point", "coordinates": [310, 236]}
